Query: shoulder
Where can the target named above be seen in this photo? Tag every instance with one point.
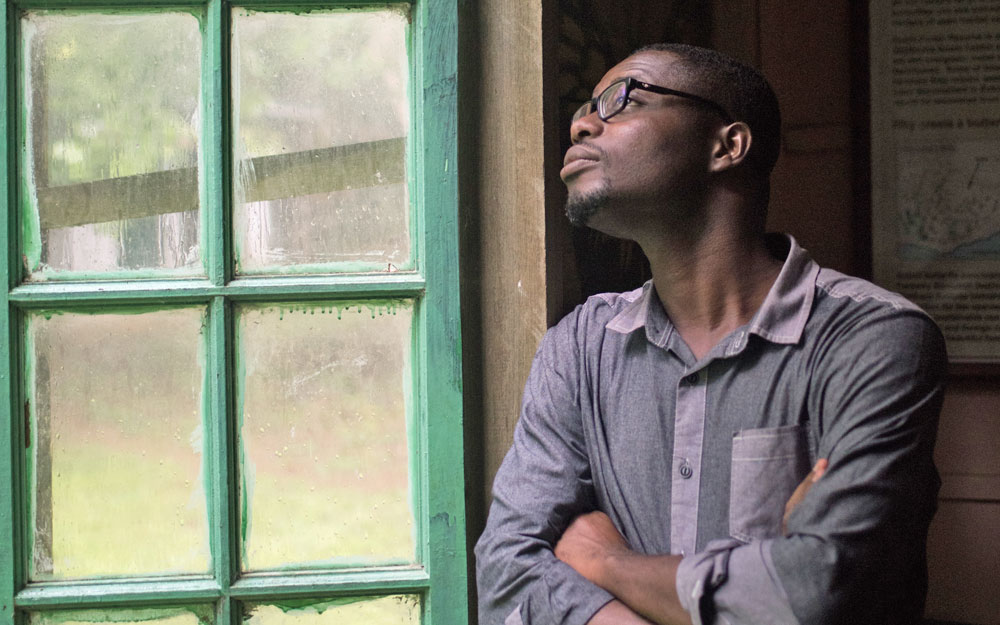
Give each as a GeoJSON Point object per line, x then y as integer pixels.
{"type": "Point", "coordinates": [594, 316]}
{"type": "Point", "coordinates": [847, 302]}
{"type": "Point", "coordinates": [584, 333]}
{"type": "Point", "coordinates": [839, 286]}
{"type": "Point", "coordinates": [858, 322]}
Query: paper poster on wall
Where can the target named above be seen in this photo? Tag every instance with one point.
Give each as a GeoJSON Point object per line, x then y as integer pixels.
{"type": "Point", "coordinates": [935, 71]}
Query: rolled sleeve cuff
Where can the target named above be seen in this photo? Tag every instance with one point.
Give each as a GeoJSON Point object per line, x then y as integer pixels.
{"type": "Point", "coordinates": [735, 581]}
{"type": "Point", "coordinates": [514, 618]}
{"type": "Point", "coordinates": [701, 573]}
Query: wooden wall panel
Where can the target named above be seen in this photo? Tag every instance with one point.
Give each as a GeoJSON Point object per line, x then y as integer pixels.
{"type": "Point", "coordinates": [509, 281]}
{"type": "Point", "coordinates": [964, 563]}
{"type": "Point", "coordinates": [803, 52]}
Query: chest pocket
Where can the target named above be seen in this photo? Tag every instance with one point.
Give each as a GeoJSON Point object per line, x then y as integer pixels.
{"type": "Point", "coordinates": [767, 465]}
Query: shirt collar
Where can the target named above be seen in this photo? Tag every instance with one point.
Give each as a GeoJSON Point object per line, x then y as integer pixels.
{"type": "Point", "coordinates": [783, 315]}
{"type": "Point", "coordinates": [781, 318]}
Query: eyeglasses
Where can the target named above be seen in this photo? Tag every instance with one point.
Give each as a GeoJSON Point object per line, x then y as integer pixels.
{"type": "Point", "coordinates": [615, 98]}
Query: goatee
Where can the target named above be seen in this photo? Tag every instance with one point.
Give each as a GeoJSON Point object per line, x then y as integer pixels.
{"type": "Point", "coordinates": [580, 208]}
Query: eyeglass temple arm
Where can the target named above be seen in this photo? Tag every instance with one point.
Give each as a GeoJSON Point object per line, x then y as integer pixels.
{"type": "Point", "coordinates": [645, 86]}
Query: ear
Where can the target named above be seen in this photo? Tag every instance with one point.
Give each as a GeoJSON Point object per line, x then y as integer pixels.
{"type": "Point", "coordinates": [732, 144]}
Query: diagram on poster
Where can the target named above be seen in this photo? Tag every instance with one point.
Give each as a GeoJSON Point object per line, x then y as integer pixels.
{"type": "Point", "coordinates": [949, 202]}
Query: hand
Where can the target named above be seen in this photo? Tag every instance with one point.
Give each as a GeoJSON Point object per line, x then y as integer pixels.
{"type": "Point", "coordinates": [800, 491]}
{"type": "Point", "coordinates": [587, 543]}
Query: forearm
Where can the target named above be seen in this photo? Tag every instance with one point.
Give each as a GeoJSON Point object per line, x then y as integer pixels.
{"type": "Point", "coordinates": [617, 613]}
{"type": "Point", "coordinates": [646, 584]}
{"type": "Point", "coordinates": [595, 549]}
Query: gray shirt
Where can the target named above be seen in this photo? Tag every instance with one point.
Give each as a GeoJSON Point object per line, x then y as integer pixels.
{"type": "Point", "coordinates": [699, 457]}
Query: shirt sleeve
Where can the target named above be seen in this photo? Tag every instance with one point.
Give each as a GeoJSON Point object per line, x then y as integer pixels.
{"type": "Point", "coordinates": [752, 595]}
{"type": "Point", "coordinates": [543, 483]}
{"type": "Point", "coordinates": [856, 548]}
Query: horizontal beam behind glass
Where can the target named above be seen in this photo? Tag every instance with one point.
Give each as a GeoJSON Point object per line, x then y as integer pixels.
{"type": "Point", "coordinates": [360, 286]}
{"type": "Point", "coordinates": [301, 173]}
{"type": "Point", "coordinates": [261, 586]}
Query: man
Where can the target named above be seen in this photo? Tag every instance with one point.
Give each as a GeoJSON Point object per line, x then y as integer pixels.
{"type": "Point", "coordinates": [667, 434]}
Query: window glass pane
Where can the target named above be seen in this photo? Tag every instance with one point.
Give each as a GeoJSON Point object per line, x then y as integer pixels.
{"type": "Point", "coordinates": [200, 615]}
{"type": "Point", "coordinates": [395, 610]}
{"type": "Point", "coordinates": [320, 123]}
{"type": "Point", "coordinates": [112, 105]}
{"type": "Point", "coordinates": [116, 440]}
{"type": "Point", "coordinates": [324, 434]}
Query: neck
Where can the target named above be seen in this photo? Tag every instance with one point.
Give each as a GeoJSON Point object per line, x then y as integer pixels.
{"type": "Point", "coordinates": [711, 282]}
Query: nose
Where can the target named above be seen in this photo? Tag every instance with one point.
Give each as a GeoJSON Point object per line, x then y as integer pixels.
{"type": "Point", "coordinates": [589, 125]}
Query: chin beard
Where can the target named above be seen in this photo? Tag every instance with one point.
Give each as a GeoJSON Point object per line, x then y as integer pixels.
{"type": "Point", "coordinates": [579, 209]}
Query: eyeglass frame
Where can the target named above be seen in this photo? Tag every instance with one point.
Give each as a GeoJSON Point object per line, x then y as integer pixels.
{"type": "Point", "coordinates": [631, 84]}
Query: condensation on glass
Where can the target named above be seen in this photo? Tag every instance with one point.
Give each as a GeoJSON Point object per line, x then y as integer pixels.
{"type": "Point", "coordinates": [111, 150]}
{"type": "Point", "coordinates": [392, 610]}
{"type": "Point", "coordinates": [115, 440]}
{"type": "Point", "coordinates": [320, 121]}
{"type": "Point", "coordinates": [323, 410]}
{"type": "Point", "coordinates": [198, 615]}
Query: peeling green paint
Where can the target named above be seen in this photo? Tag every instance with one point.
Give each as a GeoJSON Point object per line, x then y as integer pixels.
{"type": "Point", "coordinates": [328, 268]}
{"type": "Point", "coordinates": [30, 452]}
{"type": "Point", "coordinates": [244, 465]}
{"type": "Point", "coordinates": [31, 238]}
{"type": "Point", "coordinates": [204, 614]}
{"type": "Point", "coordinates": [374, 308]}
{"type": "Point", "coordinates": [208, 445]}
{"type": "Point", "coordinates": [298, 7]}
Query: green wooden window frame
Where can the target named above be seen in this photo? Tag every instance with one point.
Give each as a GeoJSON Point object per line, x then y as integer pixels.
{"type": "Point", "coordinates": [432, 285]}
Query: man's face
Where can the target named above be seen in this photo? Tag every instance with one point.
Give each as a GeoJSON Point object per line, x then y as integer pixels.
{"type": "Point", "coordinates": [645, 164]}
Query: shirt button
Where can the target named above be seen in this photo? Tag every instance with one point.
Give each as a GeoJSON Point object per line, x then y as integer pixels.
{"type": "Point", "coordinates": [686, 470]}
{"type": "Point", "coordinates": [691, 379]}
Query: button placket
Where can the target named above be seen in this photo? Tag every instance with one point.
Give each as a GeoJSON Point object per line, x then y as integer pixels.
{"type": "Point", "coordinates": [689, 428]}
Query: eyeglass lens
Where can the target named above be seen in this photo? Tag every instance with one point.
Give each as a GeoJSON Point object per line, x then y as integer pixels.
{"type": "Point", "coordinates": [610, 102]}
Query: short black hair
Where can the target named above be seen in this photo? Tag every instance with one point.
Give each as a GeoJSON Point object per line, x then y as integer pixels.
{"type": "Point", "coordinates": [742, 90]}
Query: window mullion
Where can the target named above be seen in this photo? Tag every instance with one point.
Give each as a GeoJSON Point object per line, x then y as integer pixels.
{"type": "Point", "coordinates": [215, 206]}
{"type": "Point", "coordinates": [220, 457]}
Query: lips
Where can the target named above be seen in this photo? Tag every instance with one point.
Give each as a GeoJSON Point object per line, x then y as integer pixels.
{"type": "Point", "coordinates": [578, 157]}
